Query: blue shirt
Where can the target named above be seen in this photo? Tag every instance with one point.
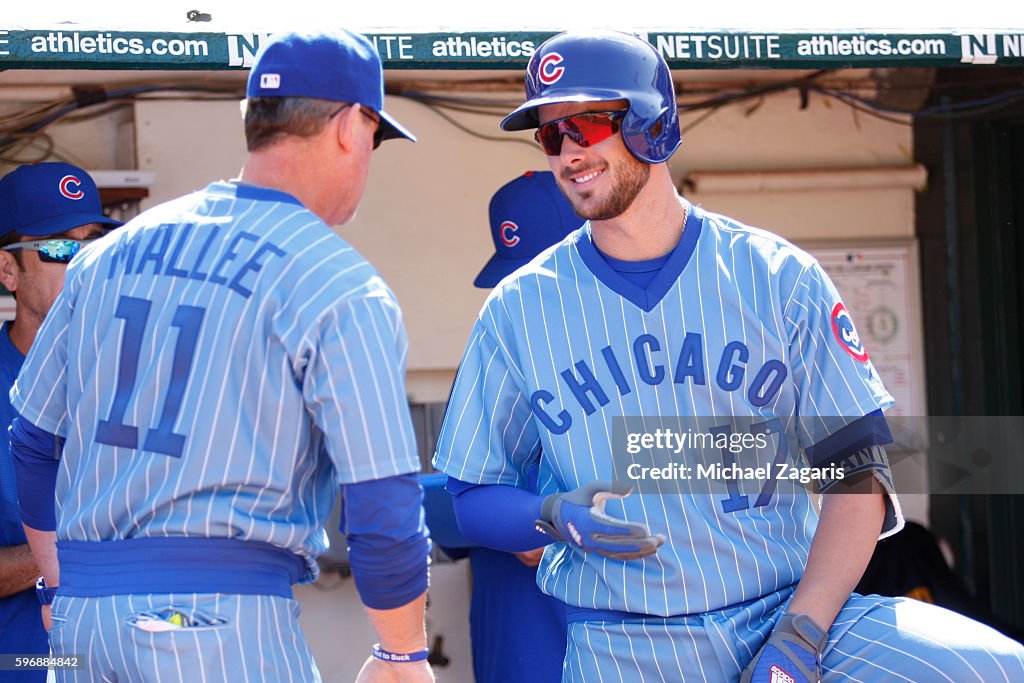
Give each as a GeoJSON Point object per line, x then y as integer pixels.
{"type": "Point", "coordinates": [640, 273]}
{"type": "Point", "coordinates": [21, 627]}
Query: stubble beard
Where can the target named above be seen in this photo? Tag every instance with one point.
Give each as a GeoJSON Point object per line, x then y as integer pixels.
{"type": "Point", "coordinates": [630, 179]}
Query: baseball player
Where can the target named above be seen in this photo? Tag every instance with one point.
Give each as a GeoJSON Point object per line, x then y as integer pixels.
{"type": "Point", "coordinates": [48, 212]}
{"type": "Point", "coordinates": [656, 307]}
{"type": "Point", "coordinates": [214, 371]}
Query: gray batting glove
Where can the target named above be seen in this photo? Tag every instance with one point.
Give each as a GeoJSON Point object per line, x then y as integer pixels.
{"type": "Point", "coordinates": [578, 518]}
{"type": "Point", "coordinates": [792, 653]}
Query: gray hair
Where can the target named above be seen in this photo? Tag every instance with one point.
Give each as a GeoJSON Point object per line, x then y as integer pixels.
{"type": "Point", "coordinates": [271, 119]}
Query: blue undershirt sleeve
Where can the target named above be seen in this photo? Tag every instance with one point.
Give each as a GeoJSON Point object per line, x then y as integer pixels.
{"type": "Point", "coordinates": [36, 457]}
{"type": "Point", "coordinates": [498, 516]}
{"type": "Point", "coordinates": [388, 541]}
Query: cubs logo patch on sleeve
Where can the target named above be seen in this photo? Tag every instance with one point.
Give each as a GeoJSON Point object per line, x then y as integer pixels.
{"type": "Point", "coordinates": [846, 333]}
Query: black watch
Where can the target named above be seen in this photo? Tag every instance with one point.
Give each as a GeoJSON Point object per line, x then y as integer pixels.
{"type": "Point", "coordinates": [44, 592]}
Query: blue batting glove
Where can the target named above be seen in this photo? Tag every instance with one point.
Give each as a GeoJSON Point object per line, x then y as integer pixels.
{"type": "Point", "coordinates": [578, 518]}
{"type": "Point", "coordinates": [792, 653]}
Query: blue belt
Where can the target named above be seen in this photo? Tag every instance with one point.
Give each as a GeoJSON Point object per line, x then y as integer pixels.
{"type": "Point", "coordinates": [573, 614]}
{"type": "Point", "coordinates": [176, 565]}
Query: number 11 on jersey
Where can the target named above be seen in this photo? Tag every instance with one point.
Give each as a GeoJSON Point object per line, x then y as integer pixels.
{"type": "Point", "coordinates": [160, 439]}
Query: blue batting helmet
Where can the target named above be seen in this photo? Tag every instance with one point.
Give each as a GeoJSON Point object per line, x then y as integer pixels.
{"type": "Point", "coordinates": [599, 65]}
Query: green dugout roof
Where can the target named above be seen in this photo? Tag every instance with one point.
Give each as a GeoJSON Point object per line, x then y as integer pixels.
{"type": "Point", "coordinates": [74, 47]}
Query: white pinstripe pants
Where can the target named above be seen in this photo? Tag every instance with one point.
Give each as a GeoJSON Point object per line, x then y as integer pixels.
{"type": "Point", "coordinates": [873, 639]}
{"type": "Point", "coordinates": [251, 638]}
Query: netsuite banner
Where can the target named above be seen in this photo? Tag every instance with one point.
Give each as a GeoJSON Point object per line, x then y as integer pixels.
{"type": "Point", "coordinates": [75, 48]}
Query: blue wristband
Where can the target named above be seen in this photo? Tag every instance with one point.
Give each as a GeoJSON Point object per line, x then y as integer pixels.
{"type": "Point", "coordinates": [396, 657]}
{"type": "Point", "coordinates": [45, 593]}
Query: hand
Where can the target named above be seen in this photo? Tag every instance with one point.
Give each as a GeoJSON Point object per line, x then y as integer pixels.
{"type": "Point", "coordinates": [791, 653]}
{"type": "Point", "coordinates": [531, 558]}
{"type": "Point", "coordinates": [47, 620]}
{"type": "Point", "coordinates": [578, 518]}
{"type": "Point", "coordinates": [377, 671]}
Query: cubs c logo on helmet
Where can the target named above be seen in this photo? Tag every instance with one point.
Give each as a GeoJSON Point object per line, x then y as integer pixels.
{"type": "Point", "coordinates": [507, 239]}
{"type": "Point", "coordinates": [846, 333]}
{"type": "Point", "coordinates": [549, 70]}
{"type": "Point", "coordinates": [70, 187]}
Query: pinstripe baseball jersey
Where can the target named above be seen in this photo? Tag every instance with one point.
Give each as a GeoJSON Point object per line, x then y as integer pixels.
{"type": "Point", "coordinates": [737, 323]}
{"type": "Point", "coordinates": [217, 368]}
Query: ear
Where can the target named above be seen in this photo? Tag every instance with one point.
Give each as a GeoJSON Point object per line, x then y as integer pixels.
{"type": "Point", "coordinates": [345, 128]}
{"type": "Point", "coordinates": [9, 271]}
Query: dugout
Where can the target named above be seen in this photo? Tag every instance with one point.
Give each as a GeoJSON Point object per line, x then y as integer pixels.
{"type": "Point", "coordinates": [901, 148]}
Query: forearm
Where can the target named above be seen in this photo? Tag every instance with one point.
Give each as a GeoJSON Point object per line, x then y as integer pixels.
{"type": "Point", "coordinates": [18, 570]}
{"type": "Point", "coordinates": [400, 631]}
{"type": "Point", "coordinates": [44, 550]}
{"type": "Point", "coordinates": [403, 629]}
{"type": "Point", "coordinates": [842, 547]}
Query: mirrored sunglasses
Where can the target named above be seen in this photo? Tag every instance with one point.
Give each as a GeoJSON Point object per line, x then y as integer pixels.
{"type": "Point", "coordinates": [583, 129]}
{"type": "Point", "coordinates": [53, 250]}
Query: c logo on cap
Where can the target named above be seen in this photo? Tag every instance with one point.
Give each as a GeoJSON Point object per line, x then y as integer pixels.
{"type": "Point", "coordinates": [548, 70]}
{"type": "Point", "coordinates": [70, 187]}
{"type": "Point", "coordinates": [503, 232]}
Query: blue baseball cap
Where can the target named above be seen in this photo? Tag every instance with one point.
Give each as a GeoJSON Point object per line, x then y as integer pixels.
{"type": "Point", "coordinates": [528, 215]}
{"type": "Point", "coordinates": [48, 199]}
{"type": "Point", "coordinates": [335, 65]}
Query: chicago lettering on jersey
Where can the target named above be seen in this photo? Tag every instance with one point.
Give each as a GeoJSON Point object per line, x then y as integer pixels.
{"type": "Point", "coordinates": [172, 252]}
{"type": "Point", "coordinates": [653, 366]}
